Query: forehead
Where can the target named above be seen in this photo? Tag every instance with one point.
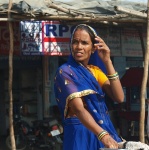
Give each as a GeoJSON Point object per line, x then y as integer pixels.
{"type": "Point", "coordinates": [81, 34]}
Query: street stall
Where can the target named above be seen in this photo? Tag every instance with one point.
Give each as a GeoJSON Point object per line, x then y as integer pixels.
{"type": "Point", "coordinates": [65, 14]}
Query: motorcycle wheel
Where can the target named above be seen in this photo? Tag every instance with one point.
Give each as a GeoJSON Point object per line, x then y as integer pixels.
{"type": "Point", "coordinates": [21, 143]}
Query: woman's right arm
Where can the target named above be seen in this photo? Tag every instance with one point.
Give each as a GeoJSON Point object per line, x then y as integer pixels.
{"type": "Point", "coordinates": [77, 107]}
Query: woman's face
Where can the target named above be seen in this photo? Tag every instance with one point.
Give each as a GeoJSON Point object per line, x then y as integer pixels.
{"type": "Point", "coordinates": [82, 46]}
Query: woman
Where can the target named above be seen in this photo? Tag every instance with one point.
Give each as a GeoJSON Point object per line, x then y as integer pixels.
{"type": "Point", "coordinates": [79, 91]}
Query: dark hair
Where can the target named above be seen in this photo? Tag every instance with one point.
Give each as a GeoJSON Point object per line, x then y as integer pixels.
{"type": "Point", "coordinates": [88, 29]}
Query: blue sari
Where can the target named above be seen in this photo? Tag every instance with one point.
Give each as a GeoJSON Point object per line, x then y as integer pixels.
{"type": "Point", "coordinates": [74, 80]}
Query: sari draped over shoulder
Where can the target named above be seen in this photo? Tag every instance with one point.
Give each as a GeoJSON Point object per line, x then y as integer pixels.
{"type": "Point", "coordinates": [74, 80]}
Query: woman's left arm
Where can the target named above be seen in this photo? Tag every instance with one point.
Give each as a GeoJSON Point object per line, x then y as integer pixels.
{"type": "Point", "coordinates": [112, 86]}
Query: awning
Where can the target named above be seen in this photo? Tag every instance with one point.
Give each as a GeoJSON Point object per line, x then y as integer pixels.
{"type": "Point", "coordinates": [76, 10]}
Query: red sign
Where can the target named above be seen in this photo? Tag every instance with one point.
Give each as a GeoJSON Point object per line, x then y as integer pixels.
{"type": "Point", "coordinates": [5, 38]}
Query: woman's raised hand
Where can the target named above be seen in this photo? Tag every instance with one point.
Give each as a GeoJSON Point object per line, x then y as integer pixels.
{"type": "Point", "coordinates": [103, 49]}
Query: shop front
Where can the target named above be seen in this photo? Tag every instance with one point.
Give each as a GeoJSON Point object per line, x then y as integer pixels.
{"type": "Point", "coordinates": [40, 47]}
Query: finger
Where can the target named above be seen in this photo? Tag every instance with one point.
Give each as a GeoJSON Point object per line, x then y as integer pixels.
{"type": "Point", "coordinates": [100, 45]}
{"type": "Point", "coordinates": [99, 40]}
{"type": "Point", "coordinates": [112, 146]}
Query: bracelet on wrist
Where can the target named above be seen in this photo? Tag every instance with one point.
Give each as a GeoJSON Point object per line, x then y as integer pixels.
{"type": "Point", "coordinates": [102, 134]}
{"type": "Point", "coordinates": [114, 76]}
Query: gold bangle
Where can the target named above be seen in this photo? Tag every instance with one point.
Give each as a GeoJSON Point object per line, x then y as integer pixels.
{"type": "Point", "coordinates": [112, 75]}
{"type": "Point", "coordinates": [114, 78]}
{"type": "Point", "coordinates": [102, 134]}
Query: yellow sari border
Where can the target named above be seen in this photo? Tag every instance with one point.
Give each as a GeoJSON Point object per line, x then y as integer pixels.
{"type": "Point", "coordinates": [77, 94]}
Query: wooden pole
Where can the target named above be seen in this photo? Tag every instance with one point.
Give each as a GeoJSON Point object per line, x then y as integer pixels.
{"type": "Point", "coordinates": [10, 81]}
{"type": "Point", "coordinates": [131, 12]}
{"type": "Point", "coordinates": [122, 18]}
{"type": "Point", "coordinates": [144, 84]}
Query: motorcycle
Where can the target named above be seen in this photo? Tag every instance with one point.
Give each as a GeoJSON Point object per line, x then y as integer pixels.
{"type": "Point", "coordinates": [40, 136]}
{"type": "Point", "coordinates": [43, 134]}
{"type": "Point", "coordinates": [50, 135]}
